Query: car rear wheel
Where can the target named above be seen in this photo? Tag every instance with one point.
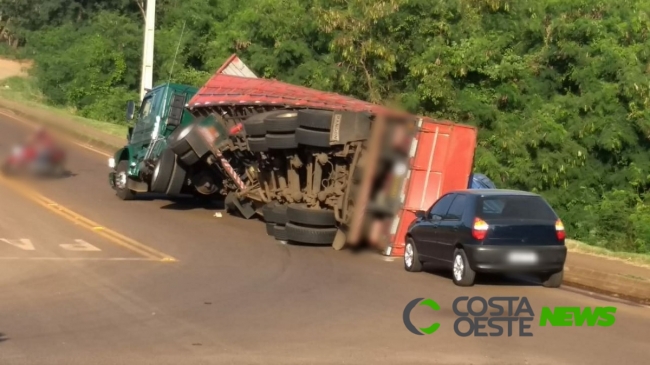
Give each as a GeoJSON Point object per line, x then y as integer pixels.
{"type": "Point", "coordinates": [553, 280]}
{"type": "Point", "coordinates": [463, 275]}
{"type": "Point", "coordinates": [412, 261]}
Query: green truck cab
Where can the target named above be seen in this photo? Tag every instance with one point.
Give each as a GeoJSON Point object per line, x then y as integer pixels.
{"type": "Point", "coordinates": [161, 113]}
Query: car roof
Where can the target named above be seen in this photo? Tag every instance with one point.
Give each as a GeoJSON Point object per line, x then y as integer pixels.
{"type": "Point", "coordinates": [493, 192]}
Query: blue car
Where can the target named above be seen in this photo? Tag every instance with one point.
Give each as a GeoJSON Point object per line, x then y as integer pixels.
{"type": "Point", "coordinates": [480, 181]}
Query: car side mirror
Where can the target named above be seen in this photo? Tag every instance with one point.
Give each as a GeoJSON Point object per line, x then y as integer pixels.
{"type": "Point", "coordinates": [130, 110]}
{"type": "Point", "coordinates": [420, 213]}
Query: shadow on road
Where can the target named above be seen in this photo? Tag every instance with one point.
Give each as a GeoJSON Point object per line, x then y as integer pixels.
{"type": "Point", "coordinates": [182, 202]}
{"type": "Point", "coordinates": [193, 203]}
{"type": "Point", "coordinates": [3, 337]}
{"type": "Point", "coordinates": [487, 279]}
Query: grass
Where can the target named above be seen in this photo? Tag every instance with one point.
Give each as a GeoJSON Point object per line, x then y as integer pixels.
{"type": "Point", "coordinates": [636, 259]}
{"type": "Point", "coordinates": [23, 90]}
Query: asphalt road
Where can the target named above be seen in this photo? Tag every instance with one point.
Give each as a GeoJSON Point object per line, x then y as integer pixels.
{"type": "Point", "coordinates": [235, 296]}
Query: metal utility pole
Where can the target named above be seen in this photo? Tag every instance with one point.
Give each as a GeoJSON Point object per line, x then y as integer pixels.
{"type": "Point", "coordinates": [147, 53]}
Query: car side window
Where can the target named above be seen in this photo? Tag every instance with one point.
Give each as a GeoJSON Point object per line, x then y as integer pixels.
{"type": "Point", "coordinates": [457, 208]}
{"type": "Point", "coordinates": [439, 209]}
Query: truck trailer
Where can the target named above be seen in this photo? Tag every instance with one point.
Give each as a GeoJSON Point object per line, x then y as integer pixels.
{"type": "Point", "coordinates": [319, 167]}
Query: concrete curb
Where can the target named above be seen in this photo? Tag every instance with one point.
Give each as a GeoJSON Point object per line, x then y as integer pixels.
{"type": "Point", "coordinates": [608, 283]}
{"type": "Point", "coordinates": [598, 281]}
{"type": "Point", "coordinates": [76, 131]}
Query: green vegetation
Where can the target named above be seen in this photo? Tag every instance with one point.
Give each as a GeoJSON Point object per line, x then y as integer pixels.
{"type": "Point", "coordinates": [558, 89]}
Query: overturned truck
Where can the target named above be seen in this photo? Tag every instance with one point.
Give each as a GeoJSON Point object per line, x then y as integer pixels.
{"type": "Point", "coordinates": [320, 168]}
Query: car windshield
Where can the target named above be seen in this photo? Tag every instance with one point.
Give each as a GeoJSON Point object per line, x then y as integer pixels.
{"type": "Point", "coordinates": [514, 207]}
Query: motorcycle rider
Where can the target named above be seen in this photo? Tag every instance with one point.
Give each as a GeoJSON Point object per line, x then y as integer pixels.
{"type": "Point", "coordinates": [44, 146]}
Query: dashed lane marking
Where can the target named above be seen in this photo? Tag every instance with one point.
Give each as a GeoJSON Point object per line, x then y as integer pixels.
{"type": "Point", "coordinates": [108, 234]}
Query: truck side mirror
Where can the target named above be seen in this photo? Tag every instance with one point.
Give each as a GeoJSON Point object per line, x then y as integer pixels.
{"type": "Point", "coordinates": [420, 213]}
{"type": "Point", "coordinates": [130, 110]}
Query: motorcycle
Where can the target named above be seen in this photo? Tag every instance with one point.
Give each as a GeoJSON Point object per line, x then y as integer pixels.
{"type": "Point", "coordinates": [35, 162]}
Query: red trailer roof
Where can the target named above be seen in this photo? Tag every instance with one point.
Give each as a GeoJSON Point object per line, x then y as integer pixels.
{"type": "Point", "coordinates": [233, 90]}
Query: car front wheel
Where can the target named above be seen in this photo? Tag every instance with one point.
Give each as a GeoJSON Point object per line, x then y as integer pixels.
{"type": "Point", "coordinates": [463, 275]}
{"type": "Point", "coordinates": [412, 261]}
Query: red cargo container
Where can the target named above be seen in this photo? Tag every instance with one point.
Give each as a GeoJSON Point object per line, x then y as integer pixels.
{"type": "Point", "coordinates": [441, 159]}
{"type": "Point", "coordinates": [441, 154]}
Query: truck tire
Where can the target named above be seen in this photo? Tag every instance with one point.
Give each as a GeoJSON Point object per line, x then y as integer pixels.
{"type": "Point", "coordinates": [277, 214]}
{"type": "Point", "coordinates": [178, 179]}
{"type": "Point", "coordinates": [162, 173]}
{"type": "Point", "coordinates": [169, 175]}
{"type": "Point", "coordinates": [257, 144]}
{"type": "Point", "coordinates": [281, 123]}
{"type": "Point", "coordinates": [315, 119]}
{"type": "Point", "coordinates": [254, 125]}
{"type": "Point", "coordinates": [123, 193]}
{"type": "Point", "coordinates": [312, 236]}
{"type": "Point", "coordinates": [281, 141]}
{"type": "Point", "coordinates": [188, 144]}
{"type": "Point", "coordinates": [300, 214]}
{"type": "Point", "coordinates": [267, 213]}
{"type": "Point", "coordinates": [280, 232]}
{"type": "Point", "coordinates": [270, 229]}
{"type": "Point", "coordinates": [313, 138]}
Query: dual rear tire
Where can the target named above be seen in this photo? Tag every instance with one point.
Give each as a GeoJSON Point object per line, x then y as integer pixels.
{"type": "Point", "coordinates": [300, 224]}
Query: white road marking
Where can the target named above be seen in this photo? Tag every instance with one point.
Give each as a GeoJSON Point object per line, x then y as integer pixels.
{"type": "Point", "coordinates": [80, 245]}
{"type": "Point", "coordinates": [23, 243]}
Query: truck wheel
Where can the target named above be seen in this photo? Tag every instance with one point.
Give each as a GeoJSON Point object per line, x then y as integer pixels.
{"type": "Point", "coordinates": [280, 232]}
{"type": "Point", "coordinates": [267, 212]}
{"type": "Point", "coordinates": [277, 214]}
{"type": "Point", "coordinates": [313, 138]}
{"type": "Point", "coordinates": [254, 125]}
{"type": "Point", "coordinates": [270, 229]}
{"type": "Point", "coordinates": [553, 280]}
{"type": "Point", "coordinates": [169, 175]}
{"type": "Point", "coordinates": [121, 190]}
{"type": "Point", "coordinates": [308, 235]}
{"type": "Point", "coordinates": [188, 144]}
{"type": "Point", "coordinates": [281, 141]}
{"type": "Point", "coordinates": [315, 119]}
{"type": "Point", "coordinates": [257, 144]}
{"type": "Point", "coordinates": [281, 123]}
{"type": "Point", "coordinates": [300, 214]}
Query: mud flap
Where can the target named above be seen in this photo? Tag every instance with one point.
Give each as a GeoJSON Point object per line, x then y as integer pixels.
{"type": "Point", "coordinates": [243, 206]}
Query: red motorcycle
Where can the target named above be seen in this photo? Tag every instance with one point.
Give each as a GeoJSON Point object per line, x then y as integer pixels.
{"type": "Point", "coordinates": [35, 161]}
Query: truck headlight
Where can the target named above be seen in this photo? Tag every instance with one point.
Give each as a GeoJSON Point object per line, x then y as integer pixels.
{"type": "Point", "coordinates": [111, 162]}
